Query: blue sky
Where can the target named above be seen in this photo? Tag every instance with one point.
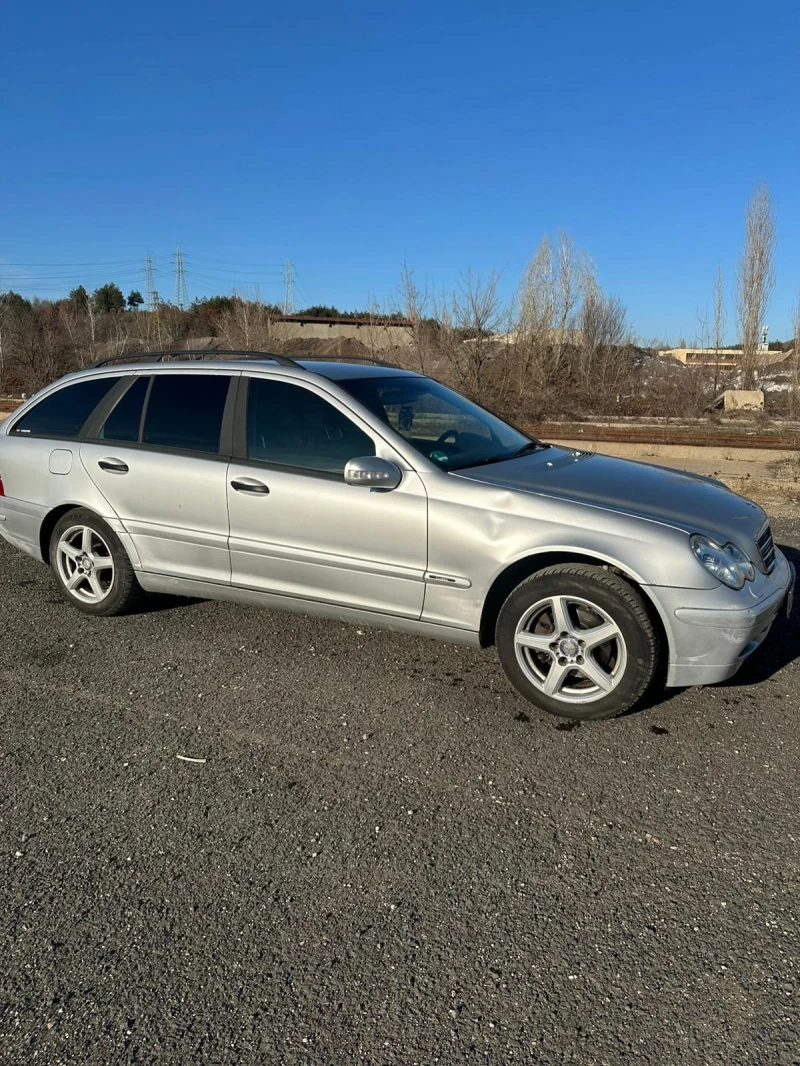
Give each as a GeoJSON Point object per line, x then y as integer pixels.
{"type": "Point", "coordinates": [353, 138]}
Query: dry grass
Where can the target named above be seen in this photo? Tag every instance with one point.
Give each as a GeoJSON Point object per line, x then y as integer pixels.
{"type": "Point", "coordinates": [778, 496]}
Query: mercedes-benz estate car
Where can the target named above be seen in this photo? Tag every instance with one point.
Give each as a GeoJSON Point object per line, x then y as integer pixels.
{"type": "Point", "coordinates": [364, 492]}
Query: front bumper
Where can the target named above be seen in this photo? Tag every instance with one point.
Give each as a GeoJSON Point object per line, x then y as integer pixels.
{"type": "Point", "coordinates": [711, 634]}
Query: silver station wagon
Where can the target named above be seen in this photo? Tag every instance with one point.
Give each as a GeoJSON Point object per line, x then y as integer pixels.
{"type": "Point", "coordinates": [363, 492]}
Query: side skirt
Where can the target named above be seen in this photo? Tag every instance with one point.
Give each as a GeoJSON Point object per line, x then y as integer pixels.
{"type": "Point", "coordinates": [208, 590]}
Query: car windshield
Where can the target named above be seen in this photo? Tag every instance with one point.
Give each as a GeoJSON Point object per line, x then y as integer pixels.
{"type": "Point", "coordinates": [441, 424]}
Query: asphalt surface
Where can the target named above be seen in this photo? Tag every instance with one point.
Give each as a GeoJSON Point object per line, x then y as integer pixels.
{"type": "Point", "coordinates": [387, 856]}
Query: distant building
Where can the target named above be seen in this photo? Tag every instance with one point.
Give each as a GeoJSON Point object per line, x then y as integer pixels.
{"type": "Point", "coordinates": [722, 358]}
{"type": "Point", "coordinates": [372, 332]}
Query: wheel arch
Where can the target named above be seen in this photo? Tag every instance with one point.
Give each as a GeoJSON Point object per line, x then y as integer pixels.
{"type": "Point", "coordinates": [52, 518]}
{"type": "Point", "coordinates": [516, 572]}
{"type": "Point", "coordinates": [49, 523]}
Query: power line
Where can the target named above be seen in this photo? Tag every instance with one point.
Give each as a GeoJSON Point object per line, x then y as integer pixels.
{"type": "Point", "coordinates": [235, 283]}
{"type": "Point", "coordinates": [231, 262]}
{"type": "Point", "coordinates": [100, 263]}
{"type": "Point", "coordinates": [224, 270]}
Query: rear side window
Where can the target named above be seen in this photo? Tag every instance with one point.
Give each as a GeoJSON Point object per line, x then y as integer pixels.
{"type": "Point", "coordinates": [125, 420]}
{"type": "Point", "coordinates": [185, 411]}
{"type": "Point", "coordinates": [62, 414]}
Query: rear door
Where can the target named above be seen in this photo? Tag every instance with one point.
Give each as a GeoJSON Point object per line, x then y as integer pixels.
{"type": "Point", "coordinates": [297, 529]}
{"type": "Point", "coordinates": [160, 458]}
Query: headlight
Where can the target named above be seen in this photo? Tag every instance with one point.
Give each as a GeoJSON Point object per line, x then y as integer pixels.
{"type": "Point", "coordinates": [728, 564]}
{"type": "Point", "coordinates": [741, 560]}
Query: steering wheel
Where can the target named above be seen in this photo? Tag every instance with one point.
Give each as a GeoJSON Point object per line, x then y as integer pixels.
{"type": "Point", "coordinates": [448, 433]}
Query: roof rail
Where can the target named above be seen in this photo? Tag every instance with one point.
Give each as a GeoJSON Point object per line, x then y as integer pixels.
{"type": "Point", "coordinates": [225, 353]}
{"type": "Point", "coordinates": [346, 359]}
{"type": "Point", "coordinates": [191, 354]}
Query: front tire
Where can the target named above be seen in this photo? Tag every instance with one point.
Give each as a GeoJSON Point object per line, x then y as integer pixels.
{"type": "Point", "coordinates": [578, 642]}
{"type": "Point", "coordinates": [92, 569]}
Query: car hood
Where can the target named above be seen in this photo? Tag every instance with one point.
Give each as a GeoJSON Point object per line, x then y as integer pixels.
{"type": "Point", "coordinates": [691, 502]}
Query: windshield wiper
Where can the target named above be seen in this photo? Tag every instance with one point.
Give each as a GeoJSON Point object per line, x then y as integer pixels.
{"type": "Point", "coordinates": [531, 446]}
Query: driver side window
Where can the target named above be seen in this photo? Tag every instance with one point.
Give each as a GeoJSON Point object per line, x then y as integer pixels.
{"type": "Point", "coordinates": [288, 425]}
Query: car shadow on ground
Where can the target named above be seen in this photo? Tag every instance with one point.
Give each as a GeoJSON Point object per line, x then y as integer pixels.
{"type": "Point", "coordinates": [154, 603]}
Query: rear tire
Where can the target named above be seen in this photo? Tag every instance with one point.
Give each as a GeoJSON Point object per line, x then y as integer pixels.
{"type": "Point", "coordinates": [578, 642]}
{"type": "Point", "coordinates": [92, 569]}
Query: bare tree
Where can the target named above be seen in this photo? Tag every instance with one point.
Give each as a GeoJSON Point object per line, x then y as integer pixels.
{"type": "Point", "coordinates": [755, 278]}
{"type": "Point", "coordinates": [247, 325]}
{"type": "Point", "coordinates": [573, 269]}
{"type": "Point", "coordinates": [701, 373]}
{"type": "Point", "coordinates": [91, 318]}
{"type": "Point", "coordinates": [794, 387]}
{"type": "Point", "coordinates": [476, 311]}
{"type": "Point", "coordinates": [719, 324]}
{"type": "Point", "coordinates": [415, 305]}
{"type": "Point", "coordinates": [535, 314]}
{"type": "Point", "coordinates": [547, 299]}
{"type": "Point", "coordinates": [2, 349]}
{"type": "Point", "coordinates": [604, 332]}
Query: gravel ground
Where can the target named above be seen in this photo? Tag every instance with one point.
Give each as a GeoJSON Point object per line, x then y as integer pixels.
{"type": "Point", "coordinates": [387, 856]}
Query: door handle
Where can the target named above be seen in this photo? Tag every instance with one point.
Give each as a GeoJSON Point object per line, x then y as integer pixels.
{"type": "Point", "coordinates": [113, 466]}
{"type": "Point", "coordinates": [249, 484]}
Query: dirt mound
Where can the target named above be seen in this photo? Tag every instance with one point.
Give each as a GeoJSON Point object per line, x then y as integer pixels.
{"type": "Point", "coordinates": [299, 347]}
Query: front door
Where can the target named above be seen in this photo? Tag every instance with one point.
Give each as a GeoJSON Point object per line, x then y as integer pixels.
{"type": "Point", "coordinates": [298, 530]}
{"type": "Point", "coordinates": [158, 461]}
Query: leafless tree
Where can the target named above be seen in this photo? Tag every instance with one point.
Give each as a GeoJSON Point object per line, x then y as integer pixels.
{"type": "Point", "coordinates": [755, 278]}
{"type": "Point", "coordinates": [415, 304]}
{"type": "Point", "coordinates": [702, 373]}
{"type": "Point", "coordinates": [547, 299]}
{"type": "Point", "coordinates": [794, 387]}
{"type": "Point", "coordinates": [719, 324]}
{"type": "Point", "coordinates": [246, 326]}
{"type": "Point", "coordinates": [476, 311]}
{"type": "Point", "coordinates": [603, 334]}
{"type": "Point", "coordinates": [2, 348]}
{"type": "Point", "coordinates": [573, 269]}
{"type": "Point", "coordinates": [38, 346]}
{"type": "Point", "coordinates": [535, 313]}
{"type": "Point", "coordinates": [91, 318]}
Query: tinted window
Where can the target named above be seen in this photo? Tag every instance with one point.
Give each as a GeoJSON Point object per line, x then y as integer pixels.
{"type": "Point", "coordinates": [124, 421]}
{"type": "Point", "coordinates": [63, 413]}
{"type": "Point", "coordinates": [185, 411]}
{"type": "Point", "coordinates": [291, 426]}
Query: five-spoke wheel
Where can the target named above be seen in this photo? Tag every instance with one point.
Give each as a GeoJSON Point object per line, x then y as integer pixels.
{"type": "Point", "coordinates": [92, 568]}
{"type": "Point", "coordinates": [578, 641]}
{"type": "Point", "coordinates": [571, 648]}
{"type": "Point", "coordinates": [85, 564]}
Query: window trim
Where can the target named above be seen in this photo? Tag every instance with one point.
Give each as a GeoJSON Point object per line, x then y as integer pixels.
{"type": "Point", "coordinates": [96, 420]}
{"type": "Point", "coordinates": [118, 386]}
{"type": "Point", "coordinates": [225, 451]}
{"type": "Point", "coordinates": [240, 426]}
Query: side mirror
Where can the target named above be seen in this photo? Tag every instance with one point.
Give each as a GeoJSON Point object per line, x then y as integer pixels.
{"type": "Point", "coordinates": [373, 472]}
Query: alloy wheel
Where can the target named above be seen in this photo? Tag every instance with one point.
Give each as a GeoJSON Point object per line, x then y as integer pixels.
{"type": "Point", "coordinates": [570, 649]}
{"type": "Point", "coordinates": [85, 564]}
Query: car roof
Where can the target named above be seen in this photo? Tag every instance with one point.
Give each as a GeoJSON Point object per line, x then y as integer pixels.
{"type": "Point", "coordinates": [333, 368]}
{"type": "Point", "coordinates": [337, 371]}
